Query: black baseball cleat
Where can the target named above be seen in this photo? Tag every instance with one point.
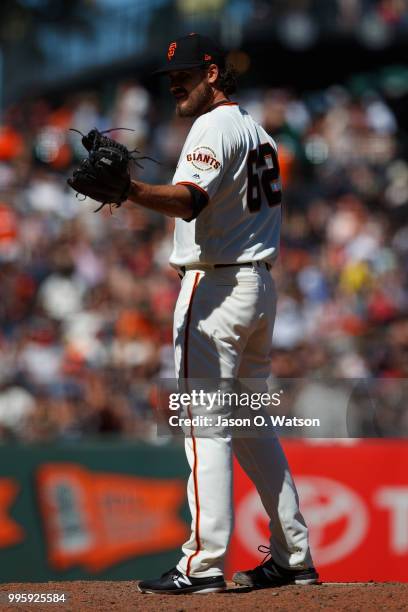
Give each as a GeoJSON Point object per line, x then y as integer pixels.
{"type": "Point", "coordinates": [270, 574]}
{"type": "Point", "coordinates": [174, 582]}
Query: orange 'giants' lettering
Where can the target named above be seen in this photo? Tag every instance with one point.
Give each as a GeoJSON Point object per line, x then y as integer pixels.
{"type": "Point", "coordinates": [204, 158]}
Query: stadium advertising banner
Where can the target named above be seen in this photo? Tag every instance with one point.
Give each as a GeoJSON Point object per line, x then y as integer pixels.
{"type": "Point", "coordinates": [119, 511]}
{"type": "Point", "coordinates": [354, 497]}
{"type": "Point", "coordinates": [90, 510]}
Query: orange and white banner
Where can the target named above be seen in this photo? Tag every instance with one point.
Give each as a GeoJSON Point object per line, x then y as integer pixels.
{"type": "Point", "coordinates": [98, 519]}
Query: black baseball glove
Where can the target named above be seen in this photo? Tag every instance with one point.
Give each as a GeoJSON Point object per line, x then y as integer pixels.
{"type": "Point", "coordinates": [104, 175]}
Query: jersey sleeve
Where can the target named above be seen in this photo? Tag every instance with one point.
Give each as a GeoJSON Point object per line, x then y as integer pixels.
{"type": "Point", "coordinates": [202, 163]}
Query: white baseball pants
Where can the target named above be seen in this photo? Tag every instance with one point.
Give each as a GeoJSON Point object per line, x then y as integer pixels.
{"type": "Point", "coordinates": [223, 327]}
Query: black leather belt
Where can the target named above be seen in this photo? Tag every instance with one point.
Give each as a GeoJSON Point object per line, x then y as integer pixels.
{"type": "Point", "coordinates": [247, 264]}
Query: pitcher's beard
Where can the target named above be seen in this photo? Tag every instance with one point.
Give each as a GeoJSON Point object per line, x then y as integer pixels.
{"type": "Point", "coordinates": [196, 104]}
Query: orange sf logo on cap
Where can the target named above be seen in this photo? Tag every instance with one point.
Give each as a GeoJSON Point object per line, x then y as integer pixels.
{"type": "Point", "coordinates": [172, 50]}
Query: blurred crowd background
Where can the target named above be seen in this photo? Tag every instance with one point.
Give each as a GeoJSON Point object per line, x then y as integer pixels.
{"type": "Point", "coordinates": [87, 299]}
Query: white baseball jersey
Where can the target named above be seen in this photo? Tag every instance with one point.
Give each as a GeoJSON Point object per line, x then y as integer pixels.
{"type": "Point", "coordinates": [233, 161]}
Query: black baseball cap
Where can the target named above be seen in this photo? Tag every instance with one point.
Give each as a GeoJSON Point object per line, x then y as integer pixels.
{"type": "Point", "coordinates": [192, 51]}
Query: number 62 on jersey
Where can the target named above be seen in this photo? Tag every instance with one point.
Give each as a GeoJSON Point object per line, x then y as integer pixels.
{"type": "Point", "coordinates": [263, 177]}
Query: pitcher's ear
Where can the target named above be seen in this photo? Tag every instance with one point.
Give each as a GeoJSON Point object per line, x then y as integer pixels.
{"type": "Point", "coordinates": [213, 72]}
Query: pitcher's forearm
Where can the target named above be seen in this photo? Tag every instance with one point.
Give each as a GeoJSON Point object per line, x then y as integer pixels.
{"type": "Point", "coordinates": [171, 200]}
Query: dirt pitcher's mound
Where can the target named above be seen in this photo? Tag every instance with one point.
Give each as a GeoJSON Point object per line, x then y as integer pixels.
{"type": "Point", "coordinates": [82, 596]}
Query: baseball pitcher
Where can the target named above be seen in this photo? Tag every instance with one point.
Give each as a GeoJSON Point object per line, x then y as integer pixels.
{"type": "Point", "coordinates": [226, 198]}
